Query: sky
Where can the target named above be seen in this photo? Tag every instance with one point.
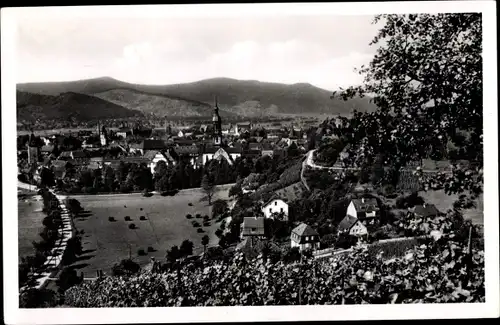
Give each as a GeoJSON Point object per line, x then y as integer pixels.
{"type": "Point", "coordinates": [322, 50]}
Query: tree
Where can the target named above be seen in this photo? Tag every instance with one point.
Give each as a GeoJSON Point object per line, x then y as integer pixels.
{"type": "Point", "coordinates": [173, 254]}
{"type": "Point", "coordinates": [235, 190]}
{"type": "Point", "coordinates": [204, 241]}
{"type": "Point", "coordinates": [218, 208]}
{"type": "Point", "coordinates": [47, 177]}
{"type": "Point", "coordinates": [186, 248]}
{"type": "Point", "coordinates": [208, 187]}
{"type": "Point", "coordinates": [67, 279]}
{"type": "Point", "coordinates": [37, 298]}
{"type": "Point", "coordinates": [426, 79]}
{"type": "Point", "coordinates": [109, 178]}
{"type": "Point", "coordinates": [126, 267]}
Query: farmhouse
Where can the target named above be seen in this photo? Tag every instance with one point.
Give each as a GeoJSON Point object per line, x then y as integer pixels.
{"type": "Point", "coordinates": [275, 205]}
{"type": "Point", "coordinates": [304, 237]}
{"type": "Point", "coordinates": [352, 226]}
{"type": "Point", "coordinates": [252, 226]}
{"type": "Point", "coordinates": [363, 208]}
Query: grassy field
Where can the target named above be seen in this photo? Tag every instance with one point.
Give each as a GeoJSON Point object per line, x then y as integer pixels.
{"type": "Point", "coordinates": [30, 217]}
{"type": "Point", "coordinates": [106, 243]}
{"type": "Point", "coordinates": [443, 202]}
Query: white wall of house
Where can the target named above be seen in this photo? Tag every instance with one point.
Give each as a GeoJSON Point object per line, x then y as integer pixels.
{"type": "Point", "coordinates": [351, 210]}
{"type": "Point", "coordinates": [358, 229]}
{"type": "Point", "coordinates": [294, 242]}
{"type": "Point", "coordinates": [207, 157]}
{"type": "Point", "coordinates": [159, 157]}
{"type": "Point", "coordinates": [275, 206]}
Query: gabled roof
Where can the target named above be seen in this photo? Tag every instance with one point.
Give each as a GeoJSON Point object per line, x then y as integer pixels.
{"type": "Point", "coordinates": [304, 230]}
{"type": "Point", "coordinates": [47, 148]}
{"type": "Point", "coordinates": [150, 154]}
{"type": "Point", "coordinates": [347, 223]}
{"type": "Point", "coordinates": [426, 210]}
{"type": "Point", "coordinates": [369, 204]}
{"type": "Point", "coordinates": [251, 222]}
{"type": "Point", "coordinates": [185, 150]}
{"type": "Point", "coordinates": [152, 144]}
{"type": "Point", "coordinates": [272, 198]}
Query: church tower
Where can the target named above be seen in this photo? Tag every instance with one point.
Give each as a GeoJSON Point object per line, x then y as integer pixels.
{"type": "Point", "coordinates": [217, 125]}
{"type": "Point", "coordinates": [104, 136]}
{"type": "Point", "coordinates": [33, 149]}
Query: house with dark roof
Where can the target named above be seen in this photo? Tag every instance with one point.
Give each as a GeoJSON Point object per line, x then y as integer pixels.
{"type": "Point", "coordinates": [304, 237]}
{"type": "Point", "coordinates": [252, 226]}
{"type": "Point", "coordinates": [364, 208]}
{"type": "Point", "coordinates": [155, 156]}
{"type": "Point", "coordinates": [352, 226]}
{"type": "Point", "coordinates": [426, 210]}
{"type": "Point", "coordinates": [148, 144]}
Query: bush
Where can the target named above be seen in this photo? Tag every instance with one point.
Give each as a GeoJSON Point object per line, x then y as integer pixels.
{"type": "Point", "coordinates": [142, 218]}
{"type": "Point", "coordinates": [188, 216]}
{"type": "Point", "coordinates": [127, 218]}
{"type": "Point", "coordinates": [206, 224]}
{"type": "Point", "coordinates": [141, 252]}
{"type": "Point", "coordinates": [125, 267]}
{"type": "Point", "coordinates": [198, 216]}
{"type": "Point", "coordinates": [151, 249]}
{"type": "Point", "coordinates": [111, 219]}
{"type": "Point", "coordinates": [67, 279]}
{"type": "Point", "coordinates": [200, 230]}
{"type": "Point", "coordinates": [190, 204]}
{"type": "Point", "coordinates": [131, 226]}
{"type": "Point", "coordinates": [37, 298]}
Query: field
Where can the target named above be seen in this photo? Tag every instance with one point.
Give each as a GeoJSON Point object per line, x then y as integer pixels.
{"type": "Point", "coordinates": [106, 243]}
{"type": "Point", "coordinates": [30, 217]}
{"type": "Point", "coordinates": [443, 202]}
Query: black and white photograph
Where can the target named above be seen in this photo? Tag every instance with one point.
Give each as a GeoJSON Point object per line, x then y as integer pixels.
{"type": "Point", "coordinates": [256, 158]}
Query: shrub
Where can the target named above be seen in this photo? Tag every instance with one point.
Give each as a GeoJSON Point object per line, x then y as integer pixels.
{"type": "Point", "coordinates": [151, 249]}
{"type": "Point", "coordinates": [38, 298]}
{"type": "Point", "coordinates": [200, 230]}
{"type": "Point", "coordinates": [141, 252]}
{"type": "Point", "coordinates": [142, 218]}
{"type": "Point", "coordinates": [125, 267]}
{"type": "Point", "coordinates": [206, 224]}
{"type": "Point", "coordinates": [188, 216]}
{"type": "Point", "coordinates": [198, 216]}
{"type": "Point", "coordinates": [111, 219]}
{"type": "Point", "coordinates": [140, 209]}
{"type": "Point", "coordinates": [190, 204]}
{"type": "Point", "coordinates": [127, 218]}
{"type": "Point", "coordinates": [131, 226]}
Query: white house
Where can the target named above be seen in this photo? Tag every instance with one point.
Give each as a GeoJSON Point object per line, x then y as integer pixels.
{"type": "Point", "coordinates": [275, 205]}
{"type": "Point", "coordinates": [304, 237]}
{"type": "Point", "coordinates": [352, 226]}
{"type": "Point", "coordinates": [363, 208]}
{"type": "Point", "coordinates": [156, 156]}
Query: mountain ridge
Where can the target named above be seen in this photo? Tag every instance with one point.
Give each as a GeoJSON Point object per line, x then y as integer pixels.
{"type": "Point", "coordinates": [242, 97]}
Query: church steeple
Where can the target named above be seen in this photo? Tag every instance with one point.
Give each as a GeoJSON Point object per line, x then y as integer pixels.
{"type": "Point", "coordinates": [217, 125]}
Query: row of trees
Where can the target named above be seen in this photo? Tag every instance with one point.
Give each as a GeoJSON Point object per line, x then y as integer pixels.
{"type": "Point", "coordinates": [49, 235]}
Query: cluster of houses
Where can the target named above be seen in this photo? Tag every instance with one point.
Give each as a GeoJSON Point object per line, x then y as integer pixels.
{"type": "Point", "coordinates": [215, 142]}
{"type": "Point", "coordinates": [360, 215]}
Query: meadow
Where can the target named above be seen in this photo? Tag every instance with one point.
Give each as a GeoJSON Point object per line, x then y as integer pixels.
{"type": "Point", "coordinates": [30, 217]}
{"type": "Point", "coordinates": [106, 243]}
{"type": "Point", "coordinates": [443, 202]}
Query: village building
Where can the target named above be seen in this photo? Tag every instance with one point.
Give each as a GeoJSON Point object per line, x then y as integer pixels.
{"type": "Point", "coordinates": [352, 226]}
{"type": "Point", "coordinates": [364, 208]}
{"type": "Point", "coordinates": [304, 237]}
{"type": "Point", "coordinates": [155, 156]}
{"type": "Point", "coordinates": [275, 205]}
{"type": "Point", "coordinates": [252, 227]}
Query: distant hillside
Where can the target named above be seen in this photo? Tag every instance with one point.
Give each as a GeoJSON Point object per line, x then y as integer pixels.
{"type": "Point", "coordinates": [243, 97]}
{"type": "Point", "coordinates": [69, 105]}
{"type": "Point", "coordinates": [159, 105]}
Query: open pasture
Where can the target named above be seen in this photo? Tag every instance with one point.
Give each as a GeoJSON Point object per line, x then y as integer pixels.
{"type": "Point", "coordinates": [443, 202]}
{"type": "Point", "coordinates": [30, 217]}
{"type": "Point", "coordinates": [107, 242]}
